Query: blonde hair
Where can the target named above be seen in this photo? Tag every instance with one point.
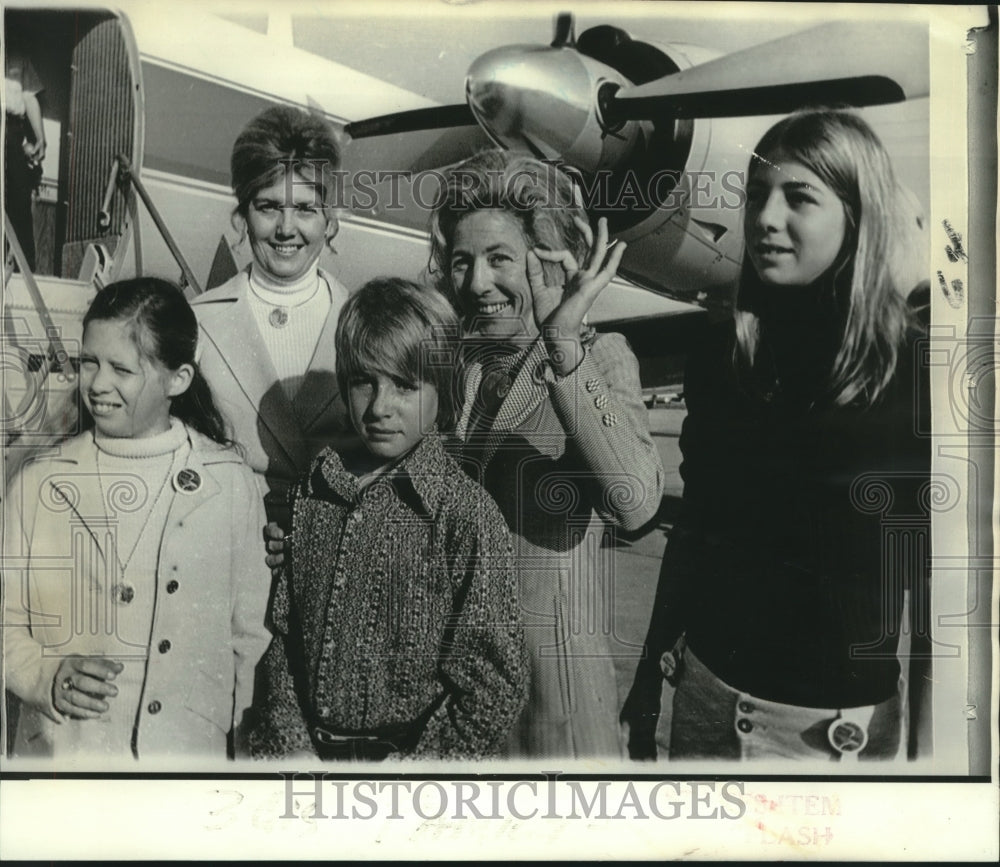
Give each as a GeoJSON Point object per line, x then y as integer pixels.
{"type": "Point", "coordinates": [846, 154]}
{"type": "Point", "coordinates": [401, 329]}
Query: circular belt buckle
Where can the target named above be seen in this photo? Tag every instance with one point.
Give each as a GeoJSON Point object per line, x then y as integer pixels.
{"type": "Point", "coordinates": [846, 736]}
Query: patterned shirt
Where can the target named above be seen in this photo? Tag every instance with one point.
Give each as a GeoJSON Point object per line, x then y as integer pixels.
{"type": "Point", "coordinates": [398, 608]}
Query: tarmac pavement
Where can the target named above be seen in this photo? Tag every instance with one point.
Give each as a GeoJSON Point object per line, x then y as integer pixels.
{"type": "Point", "coordinates": [637, 564]}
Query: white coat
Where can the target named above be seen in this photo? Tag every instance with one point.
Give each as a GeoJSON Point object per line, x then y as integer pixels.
{"type": "Point", "coordinates": [211, 592]}
{"type": "Point", "coordinates": [280, 436]}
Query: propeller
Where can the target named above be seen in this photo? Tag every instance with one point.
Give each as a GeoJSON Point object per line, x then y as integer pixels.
{"type": "Point", "coordinates": [436, 117]}
{"type": "Point", "coordinates": [542, 100]}
{"type": "Point", "coordinates": [843, 63]}
{"type": "Point", "coordinates": [586, 103]}
{"type": "Point", "coordinates": [443, 116]}
{"type": "Point", "coordinates": [626, 114]}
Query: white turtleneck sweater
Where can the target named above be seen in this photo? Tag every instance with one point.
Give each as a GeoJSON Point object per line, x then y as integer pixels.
{"type": "Point", "coordinates": [307, 303]}
{"type": "Point", "coordinates": [135, 480]}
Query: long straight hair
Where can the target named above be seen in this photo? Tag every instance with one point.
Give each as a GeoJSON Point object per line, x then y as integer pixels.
{"type": "Point", "coordinates": [165, 331]}
{"type": "Point", "coordinates": [846, 154]}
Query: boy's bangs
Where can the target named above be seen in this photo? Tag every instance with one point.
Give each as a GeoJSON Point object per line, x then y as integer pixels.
{"type": "Point", "coordinates": [387, 351]}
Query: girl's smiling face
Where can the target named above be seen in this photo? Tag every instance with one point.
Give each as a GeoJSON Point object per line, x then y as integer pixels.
{"type": "Point", "coordinates": [795, 224]}
{"type": "Point", "coordinates": [127, 394]}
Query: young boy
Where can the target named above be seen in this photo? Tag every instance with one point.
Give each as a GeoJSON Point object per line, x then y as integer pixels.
{"type": "Point", "coordinates": [396, 624]}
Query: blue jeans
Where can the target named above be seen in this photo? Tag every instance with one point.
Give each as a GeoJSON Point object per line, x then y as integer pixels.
{"type": "Point", "coordinates": [711, 720]}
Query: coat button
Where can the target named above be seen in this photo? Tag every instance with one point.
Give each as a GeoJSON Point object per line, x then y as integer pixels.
{"type": "Point", "coordinates": [744, 725]}
{"type": "Point", "coordinates": [609, 419]}
{"type": "Point", "coordinates": [745, 707]}
{"type": "Point", "coordinates": [164, 646]}
{"type": "Point", "coordinates": [601, 401]}
{"type": "Point", "coordinates": [154, 707]}
{"type": "Point", "coordinates": [172, 586]}
{"type": "Point", "coordinates": [593, 385]}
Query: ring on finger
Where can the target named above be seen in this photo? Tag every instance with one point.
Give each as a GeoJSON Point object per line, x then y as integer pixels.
{"type": "Point", "coordinates": [67, 684]}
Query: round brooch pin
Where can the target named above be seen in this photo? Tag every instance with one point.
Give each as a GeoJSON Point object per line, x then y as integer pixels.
{"type": "Point", "coordinates": [278, 317]}
{"type": "Point", "coordinates": [846, 736]}
{"type": "Point", "coordinates": [186, 481]}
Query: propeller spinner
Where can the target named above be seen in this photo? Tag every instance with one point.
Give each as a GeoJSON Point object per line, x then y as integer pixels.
{"type": "Point", "coordinates": [548, 100]}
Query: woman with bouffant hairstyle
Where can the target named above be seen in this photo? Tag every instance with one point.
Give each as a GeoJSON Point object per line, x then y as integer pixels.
{"type": "Point", "coordinates": [267, 334]}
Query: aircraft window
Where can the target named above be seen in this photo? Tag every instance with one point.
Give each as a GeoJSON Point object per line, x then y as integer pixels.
{"type": "Point", "coordinates": [176, 104]}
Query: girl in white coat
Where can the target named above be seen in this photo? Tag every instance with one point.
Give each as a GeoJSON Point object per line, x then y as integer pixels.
{"type": "Point", "coordinates": [134, 592]}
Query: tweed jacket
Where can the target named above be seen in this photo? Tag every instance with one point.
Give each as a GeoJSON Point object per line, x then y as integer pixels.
{"type": "Point", "coordinates": [398, 609]}
{"type": "Point", "coordinates": [211, 591]}
{"type": "Point", "coordinates": [280, 437]}
{"type": "Point", "coordinates": [569, 461]}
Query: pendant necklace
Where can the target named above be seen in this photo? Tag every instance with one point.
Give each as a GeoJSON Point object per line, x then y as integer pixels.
{"type": "Point", "coordinates": [123, 592]}
{"type": "Point", "coordinates": [281, 314]}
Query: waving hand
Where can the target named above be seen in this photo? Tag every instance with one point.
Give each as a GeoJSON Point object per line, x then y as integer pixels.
{"type": "Point", "coordinates": [560, 310]}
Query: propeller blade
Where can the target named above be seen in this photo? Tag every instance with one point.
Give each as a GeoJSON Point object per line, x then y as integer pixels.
{"type": "Point", "coordinates": [437, 117]}
{"type": "Point", "coordinates": [840, 63]}
{"type": "Point", "coordinates": [565, 35]}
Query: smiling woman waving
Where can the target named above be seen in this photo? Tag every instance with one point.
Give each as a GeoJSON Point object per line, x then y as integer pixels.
{"type": "Point", "coordinates": [553, 425]}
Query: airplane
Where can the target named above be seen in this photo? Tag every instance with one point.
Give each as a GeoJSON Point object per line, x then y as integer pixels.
{"type": "Point", "coordinates": [145, 107]}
